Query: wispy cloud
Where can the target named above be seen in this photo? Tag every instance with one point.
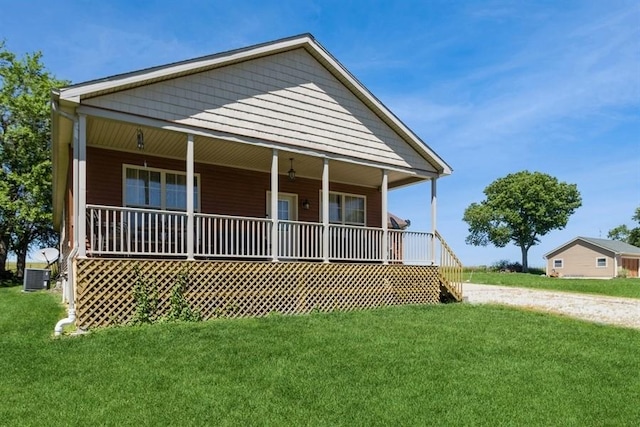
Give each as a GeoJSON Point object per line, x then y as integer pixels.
{"type": "Point", "coordinates": [565, 70]}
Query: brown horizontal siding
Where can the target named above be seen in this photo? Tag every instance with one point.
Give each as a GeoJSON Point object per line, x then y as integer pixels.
{"type": "Point", "coordinates": [224, 190]}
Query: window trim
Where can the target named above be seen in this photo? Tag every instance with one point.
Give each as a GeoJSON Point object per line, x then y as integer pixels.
{"type": "Point", "coordinates": [342, 195]}
{"type": "Point", "coordinates": [561, 263]}
{"type": "Point", "coordinates": [291, 196]}
{"type": "Point", "coordinates": [605, 262]}
{"type": "Point", "coordinates": [163, 188]}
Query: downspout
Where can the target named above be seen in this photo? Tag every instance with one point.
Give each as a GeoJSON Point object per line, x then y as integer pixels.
{"type": "Point", "coordinates": [69, 283]}
{"type": "Point", "coordinates": [69, 289]}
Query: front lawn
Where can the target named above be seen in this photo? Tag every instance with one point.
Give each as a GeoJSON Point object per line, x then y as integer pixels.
{"type": "Point", "coordinates": [629, 288]}
{"type": "Point", "coordinates": [453, 364]}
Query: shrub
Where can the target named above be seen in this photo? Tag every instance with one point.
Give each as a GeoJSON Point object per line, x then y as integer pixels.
{"type": "Point", "coordinates": [623, 273]}
{"type": "Point", "coordinates": [180, 309]}
{"type": "Point", "coordinates": [506, 265]}
{"type": "Point", "coordinates": [537, 270]}
{"type": "Point", "coordinates": [145, 295]}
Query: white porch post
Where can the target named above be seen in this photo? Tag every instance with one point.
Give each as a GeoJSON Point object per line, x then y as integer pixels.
{"type": "Point", "coordinates": [274, 205]}
{"type": "Point", "coordinates": [385, 226]}
{"type": "Point", "coordinates": [81, 215]}
{"type": "Point", "coordinates": [76, 184]}
{"type": "Point", "coordinates": [325, 210]}
{"type": "Point", "coordinates": [190, 203]}
{"type": "Point", "coordinates": [434, 200]}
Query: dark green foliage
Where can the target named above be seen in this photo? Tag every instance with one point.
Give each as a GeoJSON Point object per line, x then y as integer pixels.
{"type": "Point", "coordinates": [25, 158]}
{"type": "Point", "coordinates": [520, 208]}
{"type": "Point", "coordinates": [145, 295]}
{"type": "Point", "coordinates": [180, 309]}
{"type": "Point", "coordinates": [625, 234]}
{"type": "Point", "coordinates": [506, 265]}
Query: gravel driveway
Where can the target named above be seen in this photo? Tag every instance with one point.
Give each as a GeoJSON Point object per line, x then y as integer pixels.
{"type": "Point", "coordinates": [594, 308]}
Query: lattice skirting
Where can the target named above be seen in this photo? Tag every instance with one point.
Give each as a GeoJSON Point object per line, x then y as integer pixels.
{"type": "Point", "coordinates": [104, 287]}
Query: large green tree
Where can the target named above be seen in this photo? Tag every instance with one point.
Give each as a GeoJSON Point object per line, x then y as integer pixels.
{"type": "Point", "coordinates": [25, 159]}
{"type": "Point", "coordinates": [626, 234]}
{"type": "Point", "coordinates": [520, 208]}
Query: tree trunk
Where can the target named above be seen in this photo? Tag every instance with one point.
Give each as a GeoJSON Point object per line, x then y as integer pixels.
{"type": "Point", "coordinates": [21, 261]}
{"type": "Point", "coordinates": [4, 252]}
{"type": "Point", "coordinates": [525, 261]}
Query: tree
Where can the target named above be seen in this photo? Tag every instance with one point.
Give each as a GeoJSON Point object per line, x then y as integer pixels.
{"type": "Point", "coordinates": [520, 208]}
{"type": "Point", "coordinates": [625, 234]}
{"type": "Point", "coordinates": [25, 160]}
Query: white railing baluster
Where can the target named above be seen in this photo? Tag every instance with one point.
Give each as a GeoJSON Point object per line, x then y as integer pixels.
{"type": "Point", "coordinates": [133, 231]}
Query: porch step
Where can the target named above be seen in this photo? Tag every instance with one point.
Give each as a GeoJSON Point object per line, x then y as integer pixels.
{"type": "Point", "coordinates": [448, 292]}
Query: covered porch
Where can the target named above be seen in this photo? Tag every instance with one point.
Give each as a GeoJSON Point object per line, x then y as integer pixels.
{"type": "Point", "coordinates": [162, 192]}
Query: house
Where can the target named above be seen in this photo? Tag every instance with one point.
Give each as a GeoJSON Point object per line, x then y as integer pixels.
{"type": "Point", "coordinates": [591, 257]}
{"type": "Point", "coordinates": [262, 173]}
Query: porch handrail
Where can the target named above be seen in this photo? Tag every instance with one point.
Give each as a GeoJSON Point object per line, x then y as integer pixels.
{"type": "Point", "coordinates": [125, 231]}
{"type": "Point", "coordinates": [228, 236]}
{"type": "Point", "coordinates": [410, 247]}
{"type": "Point", "coordinates": [450, 266]}
{"type": "Point", "coordinates": [300, 240]}
{"type": "Point", "coordinates": [135, 231]}
{"type": "Point", "coordinates": [355, 243]}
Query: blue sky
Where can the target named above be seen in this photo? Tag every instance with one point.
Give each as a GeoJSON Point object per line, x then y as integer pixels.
{"type": "Point", "coordinates": [494, 87]}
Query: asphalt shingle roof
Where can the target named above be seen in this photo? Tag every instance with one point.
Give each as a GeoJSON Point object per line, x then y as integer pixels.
{"type": "Point", "coordinates": [613, 245]}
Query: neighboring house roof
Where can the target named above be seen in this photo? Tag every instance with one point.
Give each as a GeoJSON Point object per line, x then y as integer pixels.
{"type": "Point", "coordinates": [614, 246]}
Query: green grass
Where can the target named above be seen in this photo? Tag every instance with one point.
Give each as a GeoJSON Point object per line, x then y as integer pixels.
{"type": "Point", "coordinates": [629, 288]}
{"type": "Point", "coordinates": [450, 364]}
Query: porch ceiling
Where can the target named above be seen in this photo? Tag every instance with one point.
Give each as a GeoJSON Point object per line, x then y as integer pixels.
{"type": "Point", "coordinates": [164, 143]}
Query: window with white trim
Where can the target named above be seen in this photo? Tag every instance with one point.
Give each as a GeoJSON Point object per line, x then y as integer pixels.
{"type": "Point", "coordinates": [601, 262]}
{"type": "Point", "coordinates": [347, 209]}
{"type": "Point", "coordinates": [158, 188]}
{"type": "Point", "coordinates": [557, 263]}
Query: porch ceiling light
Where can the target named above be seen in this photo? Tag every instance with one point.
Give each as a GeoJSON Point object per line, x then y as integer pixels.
{"type": "Point", "coordinates": [140, 139]}
{"type": "Point", "coordinates": [292, 172]}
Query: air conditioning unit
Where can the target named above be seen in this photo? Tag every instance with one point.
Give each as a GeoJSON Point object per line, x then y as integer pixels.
{"type": "Point", "coordinates": [36, 279]}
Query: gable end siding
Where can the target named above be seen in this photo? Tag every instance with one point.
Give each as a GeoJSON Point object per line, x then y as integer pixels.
{"type": "Point", "coordinates": [579, 260]}
{"type": "Point", "coordinates": [286, 98]}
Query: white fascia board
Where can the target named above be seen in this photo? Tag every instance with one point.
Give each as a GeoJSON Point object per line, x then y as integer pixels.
{"type": "Point", "coordinates": [164, 72]}
{"type": "Point", "coordinates": [418, 144]}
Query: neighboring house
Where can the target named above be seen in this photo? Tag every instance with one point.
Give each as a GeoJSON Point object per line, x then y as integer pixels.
{"type": "Point", "coordinates": [262, 173]}
{"type": "Point", "coordinates": [590, 257]}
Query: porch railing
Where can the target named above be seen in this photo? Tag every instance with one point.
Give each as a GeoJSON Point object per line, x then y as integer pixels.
{"type": "Point", "coordinates": [450, 267]}
{"type": "Point", "coordinates": [129, 231]}
{"type": "Point", "coordinates": [144, 232]}
{"type": "Point", "coordinates": [223, 236]}
{"type": "Point", "coordinates": [299, 240]}
{"type": "Point", "coordinates": [349, 243]}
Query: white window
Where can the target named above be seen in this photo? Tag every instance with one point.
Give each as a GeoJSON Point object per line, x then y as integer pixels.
{"type": "Point", "coordinates": [348, 209]}
{"type": "Point", "coordinates": [557, 263]}
{"type": "Point", "coordinates": [158, 188]}
{"type": "Point", "coordinates": [601, 262]}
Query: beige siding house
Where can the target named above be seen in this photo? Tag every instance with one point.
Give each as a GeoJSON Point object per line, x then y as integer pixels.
{"type": "Point", "coordinates": [262, 173]}
{"type": "Point", "coordinates": [591, 257]}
